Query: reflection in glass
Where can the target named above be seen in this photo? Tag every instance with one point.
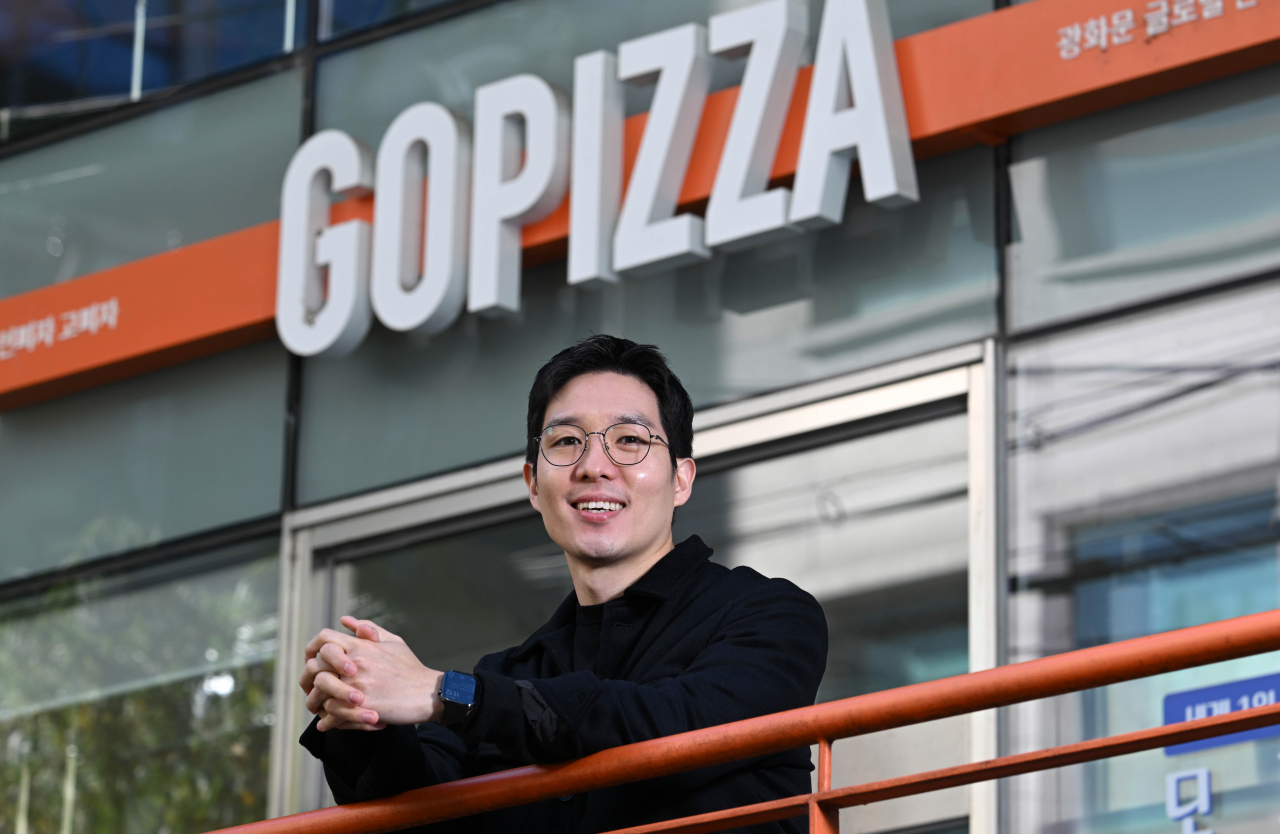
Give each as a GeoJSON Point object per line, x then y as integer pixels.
{"type": "Point", "coordinates": [69, 59]}
{"type": "Point", "coordinates": [141, 702]}
{"type": "Point", "coordinates": [155, 457]}
{"type": "Point", "coordinates": [1103, 205]}
{"type": "Point", "coordinates": [338, 17]}
{"type": "Point", "coordinates": [183, 174]}
{"type": "Point", "coordinates": [1144, 471]}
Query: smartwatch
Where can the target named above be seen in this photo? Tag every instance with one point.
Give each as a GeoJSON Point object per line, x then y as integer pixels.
{"type": "Point", "coordinates": [458, 692]}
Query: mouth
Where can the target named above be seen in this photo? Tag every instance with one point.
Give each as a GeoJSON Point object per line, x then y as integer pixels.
{"type": "Point", "coordinates": [598, 508]}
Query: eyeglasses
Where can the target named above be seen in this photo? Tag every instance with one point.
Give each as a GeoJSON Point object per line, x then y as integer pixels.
{"type": "Point", "coordinates": [626, 444]}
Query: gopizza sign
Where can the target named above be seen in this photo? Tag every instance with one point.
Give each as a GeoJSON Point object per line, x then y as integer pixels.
{"type": "Point", "coordinates": [450, 197]}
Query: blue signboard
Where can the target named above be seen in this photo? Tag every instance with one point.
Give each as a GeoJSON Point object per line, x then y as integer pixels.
{"type": "Point", "coordinates": [1219, 700]}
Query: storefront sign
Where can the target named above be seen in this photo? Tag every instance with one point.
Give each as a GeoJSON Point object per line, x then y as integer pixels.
{"type": "Point", "coordinates": [421, 258]}
{"type": "Point", "coordinates": [1220, 700]}
{"type": "Point", "coordinates": [975, 81]}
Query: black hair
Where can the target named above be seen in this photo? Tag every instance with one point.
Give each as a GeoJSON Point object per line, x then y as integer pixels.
{"type": "Point", "coordinates": [609, 354]}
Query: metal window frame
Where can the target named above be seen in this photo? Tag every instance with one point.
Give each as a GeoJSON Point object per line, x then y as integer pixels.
{"type": "Point", "coordinates": [314, 537]}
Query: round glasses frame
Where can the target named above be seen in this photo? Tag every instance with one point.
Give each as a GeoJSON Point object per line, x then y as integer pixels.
{"type": "Point", "coordinates": [604, 440]}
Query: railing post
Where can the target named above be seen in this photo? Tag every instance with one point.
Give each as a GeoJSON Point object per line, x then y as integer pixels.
{"type": "Point", "coordinates": [823, 820]}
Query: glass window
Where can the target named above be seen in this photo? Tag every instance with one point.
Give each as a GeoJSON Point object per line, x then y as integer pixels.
{"type": "Point", "coordinates": [876, 529]}
{"type": "Point", "coordinates": [884, 285]}
{"type": "Point", "coordinates": [338, 17]}
{"type": "Point", "coordinates": [458, 598]}
{"type": "Point", "coordinates": [128, 464]}
{"type": "Point", "coordinates": [1146, 200]}
{"type": "Point", "coordinates": [1144, 471]}
{"type": "Point", "coordinates": [141, 702]}
{"type": "Point", "coordinates": [61, 60]}
{"type": "Point", "coordinates": [179, 175]}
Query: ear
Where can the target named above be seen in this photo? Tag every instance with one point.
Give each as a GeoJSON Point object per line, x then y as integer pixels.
{"type": "Point", "coordinates": [531, 481]}
{"type": "Point", "coordinates": [686, 469]}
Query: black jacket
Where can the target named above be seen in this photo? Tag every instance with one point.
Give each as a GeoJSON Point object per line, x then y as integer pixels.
{"type": "Point", "coordinates": [691, 644]}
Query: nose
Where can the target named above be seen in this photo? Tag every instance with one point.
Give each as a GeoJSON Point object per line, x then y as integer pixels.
{"type": "Point", "coordinates": [595, 460]}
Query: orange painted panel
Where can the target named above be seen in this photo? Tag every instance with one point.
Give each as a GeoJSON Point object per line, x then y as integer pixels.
{"type": "Point", "coordinates": [975, 81]}
{"type": "Point", "coordinates": [167, 308]}
{"type": "Point", "coordinates": [1003, 73]}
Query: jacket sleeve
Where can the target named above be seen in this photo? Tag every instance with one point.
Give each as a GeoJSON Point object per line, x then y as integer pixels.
{"type": "Point", "coordinates": [768, 655]}
{"type": "Point", "coordinates": [360, 765]}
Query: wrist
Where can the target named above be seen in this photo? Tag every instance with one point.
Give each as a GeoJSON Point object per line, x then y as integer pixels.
{"type": "Point", "coordinates": [434, 707]}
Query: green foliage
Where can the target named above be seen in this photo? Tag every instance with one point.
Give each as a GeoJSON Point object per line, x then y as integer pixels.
{"type": "Point", "coordinates": [174, 758]}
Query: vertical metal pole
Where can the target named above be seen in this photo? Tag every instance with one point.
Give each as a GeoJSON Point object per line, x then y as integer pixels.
{"type": "Point", "coordinates": [139, 41]}
{"type": "Point", "coordinates": [290, 23]}
{"type": "Point", "coordinates": [824, 820]}
{"type": "Point", "coordinates": [987, 571]}
{"type": "Point", "coordinates": [24, 796]}
{"type": "Point", "coordinates": [824, 765]}
{"type": "Point", "coordinates": [69, 791]}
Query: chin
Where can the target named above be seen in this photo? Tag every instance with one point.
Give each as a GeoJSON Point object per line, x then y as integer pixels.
{"type": "Point", "coordinates": [597, 549]}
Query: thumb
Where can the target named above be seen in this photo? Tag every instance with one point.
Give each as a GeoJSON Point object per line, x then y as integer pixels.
{"type": "Point", "coordinates": [364, 629]}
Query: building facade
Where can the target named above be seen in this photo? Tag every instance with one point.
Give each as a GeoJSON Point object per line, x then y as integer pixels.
{"type": "Point", "coordinates": [1035, 409]}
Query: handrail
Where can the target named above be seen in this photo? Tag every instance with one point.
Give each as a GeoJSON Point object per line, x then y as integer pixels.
{"type": "Point", "coordinates": [820, 724]}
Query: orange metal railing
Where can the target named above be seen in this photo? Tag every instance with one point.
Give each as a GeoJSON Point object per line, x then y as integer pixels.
{"type": "Point", "coordinates": [824, 723]}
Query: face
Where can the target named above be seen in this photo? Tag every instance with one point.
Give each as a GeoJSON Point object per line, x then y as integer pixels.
{"type": "Point", "coordinates": [639, 499]}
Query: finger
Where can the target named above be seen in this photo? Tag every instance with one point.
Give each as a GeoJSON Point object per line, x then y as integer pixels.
{"type": "Point", "coordinates": [335, 657]}
{"type": "Point", "coordinates": [313, 667]}
{"type": "Point", "coordinates": [343, 712]}
{"type": "Point", "coordinates": [330, 685]}
{"type": "Point", "coordinates": [315, 701]}
{"type": "Point", "coordinates": [369, 630]}
{"type": "Point", "coordinates": [334, 724]}
{"type": "Point", "coordinates": [328, 635]}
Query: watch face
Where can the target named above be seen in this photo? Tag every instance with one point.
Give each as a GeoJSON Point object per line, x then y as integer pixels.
{"type": "Point", "coordinates": [458, 687]}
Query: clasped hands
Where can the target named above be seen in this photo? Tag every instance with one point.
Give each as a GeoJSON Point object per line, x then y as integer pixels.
{"type": "Point", "coordinates": [368, 680]}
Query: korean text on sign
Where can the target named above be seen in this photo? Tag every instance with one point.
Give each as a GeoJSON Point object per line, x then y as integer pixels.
{"type": "Point", "coordinates": [1117, 28]}
{"type": "Point", "coordinates": [45, 332]}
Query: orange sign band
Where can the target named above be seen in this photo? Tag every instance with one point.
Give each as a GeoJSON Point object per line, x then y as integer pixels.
{"type": "Point", "coordinates": [976, 81]}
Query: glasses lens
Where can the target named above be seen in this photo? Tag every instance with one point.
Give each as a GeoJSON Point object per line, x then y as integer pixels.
{"type": "Point", "coordinates": [628, 442]}
{"type": "Point", "coordinates": [563, 445]}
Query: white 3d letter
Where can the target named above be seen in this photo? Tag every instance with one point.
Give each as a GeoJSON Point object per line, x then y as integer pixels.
{"type": "Point", "coordinates": [403, 239]}
{"type": "Point", "coordinates": [505, 195]}
{"type": "Point", "coordinates": [741, 212]}
{"type": "Point", "coordinates": [650, 236]}
{"type": "Point", "coordinates": [596, 174]}
{"type": "Point", "coordinates": [311, 320]}
{"type": "Point", "coordinates": [870, 120]}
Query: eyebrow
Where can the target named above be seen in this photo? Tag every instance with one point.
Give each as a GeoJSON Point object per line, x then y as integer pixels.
{"type": "Point", "coordinates": [573, 420]}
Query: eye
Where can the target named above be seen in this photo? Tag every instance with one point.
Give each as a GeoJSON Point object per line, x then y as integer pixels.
{"type": "Point", "coordinates": [631, 440]}
{"type": "Point", "coordinates": [567, 440]}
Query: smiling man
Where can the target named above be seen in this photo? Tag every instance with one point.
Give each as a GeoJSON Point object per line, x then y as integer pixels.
{"type": "Point", "coordinates": [654, 640]}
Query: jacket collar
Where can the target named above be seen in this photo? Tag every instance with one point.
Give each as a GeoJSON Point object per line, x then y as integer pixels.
{"type": "Point", "coordinates": [668, 573]}
{"type": "Point", "coordinates": [660, 583]}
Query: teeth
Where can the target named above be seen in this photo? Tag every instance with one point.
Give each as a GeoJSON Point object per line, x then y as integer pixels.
{"type": "Point", "coordinates": [607, 506]}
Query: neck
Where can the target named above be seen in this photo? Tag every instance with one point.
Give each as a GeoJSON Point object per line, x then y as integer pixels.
{"type": "Point", "coordinates": [597, 580]}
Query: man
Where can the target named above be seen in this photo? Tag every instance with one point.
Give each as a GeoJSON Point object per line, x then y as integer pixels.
{"type": "Point", "coordinates": [654, 640]}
